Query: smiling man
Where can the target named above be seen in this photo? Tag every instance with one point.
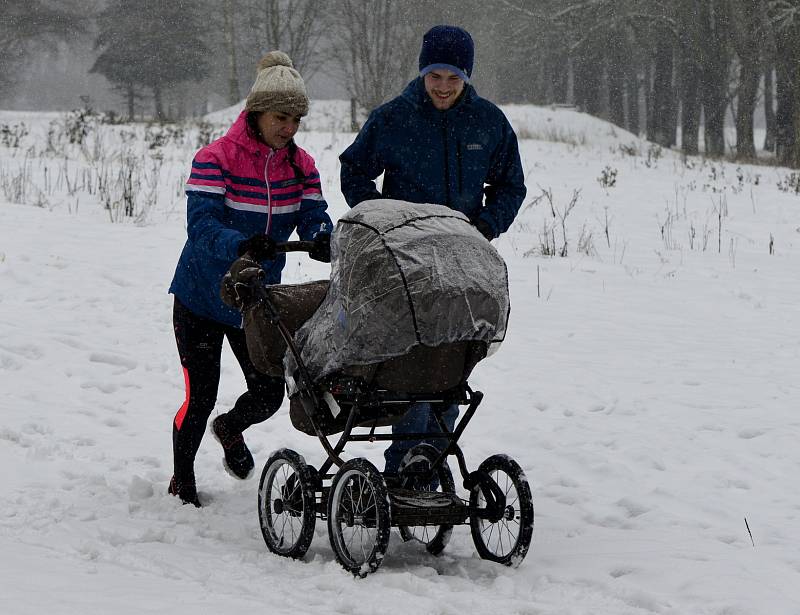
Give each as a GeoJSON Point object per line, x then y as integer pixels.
{"type": "Point", "coordinates": [439, 143]}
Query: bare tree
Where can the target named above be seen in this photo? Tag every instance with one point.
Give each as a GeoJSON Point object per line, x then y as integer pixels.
{"type": "Point", "coordinates": [785, 18]}
{"type": "Point", "coordinates": [296, 27]}
{"type": "Point", "coordinates": [747, 34]}
{"type": "Point", "coordinates": [229, 8]}
{"type": "Point", "coordinates": [375, 43]}
{"type": "Point", "coordinates": [768, 67]}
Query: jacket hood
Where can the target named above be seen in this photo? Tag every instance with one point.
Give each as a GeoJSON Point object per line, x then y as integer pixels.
{"type": "Point", "coordinates": [416, 95]}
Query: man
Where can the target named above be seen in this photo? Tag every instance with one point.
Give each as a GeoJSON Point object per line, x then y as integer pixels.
{"type": "Point", "coordinates": [439, 143]}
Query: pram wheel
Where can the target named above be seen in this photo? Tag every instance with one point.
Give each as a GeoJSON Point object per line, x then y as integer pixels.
{"type": "Point", "coordinates": [359, 517]}
{"type": "Point", "coordinates": [503, 535]}
{"type": "Point", "coordinates": [287, 503]}
{"type": "Point", "coordinates": [418, 461]}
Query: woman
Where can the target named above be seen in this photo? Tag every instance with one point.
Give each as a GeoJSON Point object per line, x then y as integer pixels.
{"type": "Point", "coordinates": [247, 190]}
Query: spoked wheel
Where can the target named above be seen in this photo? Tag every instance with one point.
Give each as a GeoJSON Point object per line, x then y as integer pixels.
{"type": "Point", "coordinates": [417, 462]}
{"type": "Point", "coordinates": [504, 536]}
{"type": "Point", "coordinates": [359, 517]}
{"type": "Point", "coordinates": [287, 504]}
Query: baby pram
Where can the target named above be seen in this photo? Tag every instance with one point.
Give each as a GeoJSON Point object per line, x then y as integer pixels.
{"type": "Point", "coordinates": [417, 298]}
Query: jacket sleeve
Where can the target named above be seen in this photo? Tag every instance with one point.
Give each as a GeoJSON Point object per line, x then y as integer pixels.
{"type": "Point", "coordinates": [205, 210]}
{"type": "Point", "coordinates": [505, 181]}
{"type": "Point", "coordinates": [362, 163]}
{"type": "Point", "coordinates": [313, 218]}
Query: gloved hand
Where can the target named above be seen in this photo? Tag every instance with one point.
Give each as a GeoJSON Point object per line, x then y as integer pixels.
{"type": "Point", "coordinates": [261, 247]}
{"type": "Point", "coordinates": [322, 248]}
{"type": "Point", "coordinates": [484, 229]}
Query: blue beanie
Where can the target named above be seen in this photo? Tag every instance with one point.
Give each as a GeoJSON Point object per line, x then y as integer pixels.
{"type": "Point", "coordinates": [447, 47]}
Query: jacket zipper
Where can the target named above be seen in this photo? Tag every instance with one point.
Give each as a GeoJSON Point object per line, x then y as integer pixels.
{"type": "Point", "coordinates": [269, 193]}
{"type": "Point", "coordinates": [458, 162]}
{"type": "Point", "coordinates": [446, 165]}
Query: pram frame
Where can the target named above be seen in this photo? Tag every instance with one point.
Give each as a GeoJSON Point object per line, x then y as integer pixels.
{"type": "Point", "coordinates": [461, 395]}
{"type": "Point", "coordinates": [481, 486]}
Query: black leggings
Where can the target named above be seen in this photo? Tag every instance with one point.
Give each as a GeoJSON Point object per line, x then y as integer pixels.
{"type": "Point", "coordinates": [200, 347]}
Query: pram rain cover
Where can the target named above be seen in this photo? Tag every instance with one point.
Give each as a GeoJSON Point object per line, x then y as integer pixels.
{"type": "Point", "coordinates": [403, 274]}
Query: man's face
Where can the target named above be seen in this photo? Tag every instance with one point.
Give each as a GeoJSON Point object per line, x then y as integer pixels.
{"type": "Point", "coordinates": [278, 128]}
{"type": "Point", "coordinates": [444, 87]}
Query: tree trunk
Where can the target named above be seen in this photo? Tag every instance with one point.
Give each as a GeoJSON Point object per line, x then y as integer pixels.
{"type": "Point", "coordinates": [747, 35]}
{"type": "Point", "coordinates": [650, 125]}
{"type": "Point", "coordinates": [130, 95]}
{"type": "Point", "coordinates": [663, 95]}
{"type": "Point", "coordinates": [785, 85]}
{"type": "Point", "coordinates": [588, 81]}
{"type": "Point", "coordinates": [769, 108]}
{"type": "Point", "coordinates": [748, 88]}
{"type": "Point", "coordinates": [690, 110]}
{"type": "Point", "coordinates": [714, 105]}
{"type": "Point", "coordinates": [632, 84]}
{"type": "Point", "coordinates": [689, 76]}
{"type": "Point", "coordinates": [616, 63]}
{"type": "Point", "coordinates": [556, 76]}
{"type": "Point", "coordinates": [616, 95]}
{"type": "Point", "coordinates": [228, 10]}
{"type": "Point", "coordinates": [794, 151]}
{"type": "Point", "coordinates": [159, 104]}
{"type": "Point", "coordinates": [715, 54]}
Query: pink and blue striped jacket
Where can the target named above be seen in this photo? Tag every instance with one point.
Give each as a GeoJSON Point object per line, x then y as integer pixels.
{"type": "Point", "coordinates": [239, 187]}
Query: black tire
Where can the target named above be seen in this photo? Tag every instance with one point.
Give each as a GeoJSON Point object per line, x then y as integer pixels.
{"type": "Point", "coordinates": [434, 537]}
{"type": "Point", "coordinates": [359, 517]}
{"type": "Point", "coordinates": [506, 540]}
{"type": "Point", "coordinates": [287, 504]}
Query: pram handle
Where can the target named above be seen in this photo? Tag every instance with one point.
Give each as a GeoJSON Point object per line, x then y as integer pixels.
{"type": "Point", "coordinates": [294, 246]}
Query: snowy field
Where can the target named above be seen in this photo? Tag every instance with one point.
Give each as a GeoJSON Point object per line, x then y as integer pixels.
{"type": "Point", "coordinates": [649, 386]}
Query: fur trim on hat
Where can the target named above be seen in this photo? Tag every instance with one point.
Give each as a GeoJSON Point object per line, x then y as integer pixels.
{"type": "Point", "coordinates": [278, 87]}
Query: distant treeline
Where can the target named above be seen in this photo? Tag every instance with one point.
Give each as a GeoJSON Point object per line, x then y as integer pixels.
{"type": "Point", "coordinates": [650, 66]}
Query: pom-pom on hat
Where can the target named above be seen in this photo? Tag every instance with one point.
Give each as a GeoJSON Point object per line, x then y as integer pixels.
{"type": "Point", "coordinates": [278, 87]}
{"type": "Point", "coordinates": [447, 47]}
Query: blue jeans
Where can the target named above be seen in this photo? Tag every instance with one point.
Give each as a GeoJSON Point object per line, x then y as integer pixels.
{"type": "Point", "coordinates": [418, 419]}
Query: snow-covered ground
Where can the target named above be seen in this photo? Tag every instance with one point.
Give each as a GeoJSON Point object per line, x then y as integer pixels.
{"type": "Point", "coordinates": [649, 387]}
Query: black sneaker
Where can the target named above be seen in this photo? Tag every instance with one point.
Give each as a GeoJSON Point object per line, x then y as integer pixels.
{"type": "Point", "coordinates": [185, 490]}
{"type": "Point", "coordinates": [417, 476]}
{"type": "Point", "coordinates": [238, 461]}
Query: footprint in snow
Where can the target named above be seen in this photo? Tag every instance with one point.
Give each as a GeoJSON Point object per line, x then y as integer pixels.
{"type": "Point", "coordinates": [70, 342]}
{"type": "Point", "coordinates": [633, 509]}
{"type": "Point", "coordinates": [113, 359]}
{"type": "Point", "coordinates": [14, 437]}
{"type": "Point", "coordinates": [750, 433]}
{"type": "Point", "coordinates": [9, 363]}
{"type": "Point", "coordinates": [103, 387]}
{"type": "Point", "coordinates": [119, 281]}
{"type": "Point", "coordinates": [26, 351]}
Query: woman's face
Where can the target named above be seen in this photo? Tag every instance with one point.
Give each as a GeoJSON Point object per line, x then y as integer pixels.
{"type": "Point", "coordinates": [277, 128]}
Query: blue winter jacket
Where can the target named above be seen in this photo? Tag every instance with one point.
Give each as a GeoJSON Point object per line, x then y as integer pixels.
{"type": "Point", "coordinates": [240, 187]}
{"type": "Point", "coordinates": [466, 157]}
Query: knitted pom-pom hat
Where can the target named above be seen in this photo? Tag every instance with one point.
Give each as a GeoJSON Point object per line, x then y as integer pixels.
{"type": "Point", "coordinates": [278, 87]}
{"type": "Point", "coordinates": [447, 47]}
